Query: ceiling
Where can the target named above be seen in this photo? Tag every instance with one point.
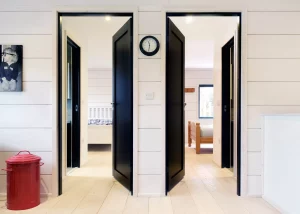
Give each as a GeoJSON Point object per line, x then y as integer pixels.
{"type": "Point", "coordinates": [203, 35]}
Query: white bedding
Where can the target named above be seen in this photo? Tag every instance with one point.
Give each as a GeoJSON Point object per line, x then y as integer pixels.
{"type": "Point", "coordinates": [206, 130]}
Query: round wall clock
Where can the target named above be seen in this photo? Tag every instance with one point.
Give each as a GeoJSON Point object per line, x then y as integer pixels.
{"type": "Point", "coordinates": [149, 45]}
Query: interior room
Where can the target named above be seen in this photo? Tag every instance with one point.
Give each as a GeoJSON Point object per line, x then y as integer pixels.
{"type": "Point", "coordinates": [205, 37]}
{"type": "Point", "coordinates": [94, 36]}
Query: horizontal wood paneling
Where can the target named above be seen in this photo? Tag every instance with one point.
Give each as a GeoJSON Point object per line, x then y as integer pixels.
{"type": "Point", "coordinates": [150, 87]}
{"type": "Point", "coordinates": [273, 93]}
{"type": "Point", "coordinates": [28, 116]}
{"type": "Point", "coordinates": [196, 82]}
{"type": "Point", "coordinates": [254, 140]}
{"type": "Point", "coordinates": [254, 163]}
{"type": "Point", "coordinates": [149, 70]}
{"type": "Point", "coordinates": [254, 185]}
{"type": "Point", "coordinates": [153, 20]}
{"type": "Point", "coordinates": [100, 90]}
{"type": "Point", "coordinates": [191, 106]}
{"type": "Point", "coordinates": [191, 97]}
{"type": "Point", "coordinates": [150, 163]}
{"type": "Point", "coordinates": [100, 104]}
{"type": "Point", "coordinates": [29, 5]}
{"type": "Point", "coordinates": [191, 115]}
{"type": "Point", "coordinates": [198, 74]}
{"type": "Point", "coordinates": [34, 46]}
{"type": "Point", "coordinates": [28, 139]}
{"type": "Point", "coordinates": [99, 98]}
{"type": "Point", "coordinates": [100, 74]}
{"type": "Point", "coordinates": [274, 46]}
{"type": "Point", "coordinates": [45, 188]}
{"type": "Point", "coordinates": [33, 93]}
{"type": "Point", "coordinates": [26, 23]}
{"type": "Point", "coordinates": [99, 82]}
{"type": "Point", "coordinates": [150, 140]}
{"type": "Point", "coordinates": [273, 70]}
{"type": "Point", "coordinates": [150, 117]}
{"type": "Point", "coordinates": [37, 69]}
{"type": "Point", "coordinates": [273, 23]}
{"type": "Point", "coordinates": [150, 184]}
{"type": "Point", "coordinates": [255, 112]}
{"type": "Point", "coordinates": [46, 159]}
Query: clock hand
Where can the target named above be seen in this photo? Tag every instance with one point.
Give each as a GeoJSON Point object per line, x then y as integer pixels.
{"type": "Point", "coordinates": [149, 45]}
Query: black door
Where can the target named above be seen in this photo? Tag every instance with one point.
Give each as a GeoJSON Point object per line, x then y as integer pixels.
{"type": "Point", "coordinates": [123, 105]}
{"type": "Point", "coordinates": [175, 162]}
{"type": "Point", "coordinates": [227, 104]}
{"type": "Point", "coordinates": [73, 104]}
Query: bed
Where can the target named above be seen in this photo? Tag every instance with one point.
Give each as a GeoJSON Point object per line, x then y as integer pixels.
{"type": "Point", "coordinates": [201, 135]}
{"type": "Point", "coordinates": [100, 125]}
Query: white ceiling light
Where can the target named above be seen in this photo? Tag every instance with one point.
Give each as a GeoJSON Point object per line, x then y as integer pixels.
{"type": "Point", "coordinates": [107, 18]}
{"type": "Point", "coordinates": [189, 19]}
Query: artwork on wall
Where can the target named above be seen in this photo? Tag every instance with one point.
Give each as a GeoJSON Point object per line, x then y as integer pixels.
{"type": "Point", "coordinates": [11, 68]}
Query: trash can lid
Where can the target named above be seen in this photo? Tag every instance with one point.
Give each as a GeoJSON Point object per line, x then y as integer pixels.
{"type": "Point", "coordinates": [23, 158]}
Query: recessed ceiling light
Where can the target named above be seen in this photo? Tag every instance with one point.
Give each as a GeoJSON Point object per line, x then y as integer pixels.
{"type": "Point", "coordinates": [189, 19]}
{"type": "Point", "coordinates": [107, 18]}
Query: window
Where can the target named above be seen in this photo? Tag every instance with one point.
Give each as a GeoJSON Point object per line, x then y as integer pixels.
{"type": "Point", "coordinates": [206, 97]}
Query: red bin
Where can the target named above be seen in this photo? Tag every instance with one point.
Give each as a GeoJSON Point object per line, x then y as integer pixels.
{"type": "Point", "coordinates": [23, 181]}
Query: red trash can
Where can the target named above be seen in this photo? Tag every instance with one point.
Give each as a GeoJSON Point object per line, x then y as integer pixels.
{"type": "Point", "coordinates": [23, 181]}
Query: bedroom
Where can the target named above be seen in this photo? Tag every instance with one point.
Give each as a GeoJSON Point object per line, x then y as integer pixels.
{"type": "Point", "coordinates": [92, 88]}
{"type": "Point", "coordinates": [210, 130]}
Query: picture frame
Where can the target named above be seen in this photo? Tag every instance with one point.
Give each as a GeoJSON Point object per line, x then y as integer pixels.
{"type": "Point", "coordinates": [11, 68]}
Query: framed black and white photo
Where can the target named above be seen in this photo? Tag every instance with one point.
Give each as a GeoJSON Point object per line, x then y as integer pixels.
{"type": "Point", "coordinates": [11, 68]}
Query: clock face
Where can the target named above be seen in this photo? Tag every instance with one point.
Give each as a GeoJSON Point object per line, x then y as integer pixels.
{"type": "Point", "coordinates": [149, 45]}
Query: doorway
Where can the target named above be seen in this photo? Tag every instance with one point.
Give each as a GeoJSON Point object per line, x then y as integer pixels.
{"type": "Point", "coordinates": [176, 102]}
{"type": "Point", "coordinates": [113, 112]}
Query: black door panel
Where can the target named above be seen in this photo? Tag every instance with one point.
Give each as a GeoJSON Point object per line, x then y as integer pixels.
{"type": "Point", "coordinates": [175, 168]}
{"type": "Point", "coordinates": [123, 105]}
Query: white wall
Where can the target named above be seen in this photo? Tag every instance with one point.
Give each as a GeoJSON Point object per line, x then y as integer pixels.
{"type": "Point", "coordinates": [99, 87]}
{"type": "Point", "coordinates": [269, 47]}
{"type": "Point", "coordinates": [26, 117]}
{"type": "Point", "coordinates": [193, 78]}
{"type": "Point", "coordinates": [281, 161]}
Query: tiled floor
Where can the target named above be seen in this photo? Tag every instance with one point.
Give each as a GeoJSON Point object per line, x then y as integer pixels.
{"type": "Point", "coordinates": [206, 189]}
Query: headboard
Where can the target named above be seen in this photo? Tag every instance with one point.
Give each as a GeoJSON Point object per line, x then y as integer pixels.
{"type": "Point", "coordinates": [100, 113]}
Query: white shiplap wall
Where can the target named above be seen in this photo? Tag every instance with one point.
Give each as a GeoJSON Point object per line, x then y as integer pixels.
{"type": "Point", "coordinates": [270, 53]}
{"type": "Point", "coordinates": [273, 78]}
{"type": "Point", "coordinates": [150, 152]}
{"type": "Point", "coordinates": [193, 78]}
{"type": "Point", "coordinates": [99, 86]}
{"type": "Point", "coordinates": [26, 117]}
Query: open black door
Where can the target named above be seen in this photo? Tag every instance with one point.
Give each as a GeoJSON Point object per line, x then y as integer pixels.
{"type": "Point", "coordinates": [175, 52]}
{"type": "Point", "coordinates": [73, 104]}
{"type": "Point", "coordinates": [123, 105]}
{"type": "Point", "coordinates": [227, 104]}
